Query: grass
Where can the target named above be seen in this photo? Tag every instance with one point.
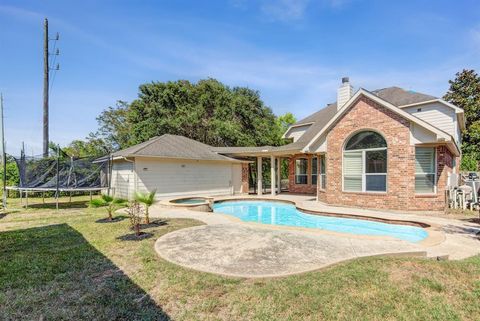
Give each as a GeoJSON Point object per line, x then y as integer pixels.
{"type": "Point", "coordinates": [62, 265]}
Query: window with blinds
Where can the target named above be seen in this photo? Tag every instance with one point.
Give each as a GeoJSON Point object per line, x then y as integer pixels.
{"type": "Point", "coordinates": [352, 171]}
{"type": "Point", "coordinates": [301, 166]}
{"type": "Point", "coordinates": [365, 163]}
{"type": "Point", "coordinates": [425, 172]}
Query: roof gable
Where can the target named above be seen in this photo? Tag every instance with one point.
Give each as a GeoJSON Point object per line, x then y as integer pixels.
{"type": "Point", "coordinates": [362, 92]}
{"type": "Point", "coordinates": [173, 146]}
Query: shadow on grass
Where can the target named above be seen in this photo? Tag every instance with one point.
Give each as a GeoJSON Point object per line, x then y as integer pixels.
{"type": "Point", "coordinates": [61, 205]}
{"type": "Point", "coordinates": [134, 237]}
{"type": "Point", "coordinates": [52, 273]}
{"type": "Point", "coordinates": [114, 220]}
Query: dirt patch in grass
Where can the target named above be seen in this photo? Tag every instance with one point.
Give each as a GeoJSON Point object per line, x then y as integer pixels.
{"type": "Point", "coordinates": [113, 220]}
{"type": "Point", "coordinates": [135, 237]}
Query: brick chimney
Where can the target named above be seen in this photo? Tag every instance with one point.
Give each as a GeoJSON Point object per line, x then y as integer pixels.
{"type": "Point", "coordinates": [344, 92]}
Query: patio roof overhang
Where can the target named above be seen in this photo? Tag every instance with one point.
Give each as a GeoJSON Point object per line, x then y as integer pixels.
{"type": "Point", "coordinates": [261, 153]}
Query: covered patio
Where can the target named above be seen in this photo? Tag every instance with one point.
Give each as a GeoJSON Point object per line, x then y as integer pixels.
{"type": "Point", "coordinates": [271, 165]}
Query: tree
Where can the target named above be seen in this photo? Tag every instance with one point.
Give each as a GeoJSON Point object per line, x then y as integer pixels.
{"type": "Point", "coordinates": [207, 111]}
{"type": "Point", "coordinates": [284, 121]}
{"type": "Point", "coordinates": [147, 199]}
{"type": "Point", "coordinates": [464, 92]}
{"type": "Point", "coordinates": [13, 176]}
{"type": "Point", "coordinates": [91, 146]}
{"type": "Point", "coordinates": [114, 129]}
{"type": "Point", "coordinates": [110, 203]}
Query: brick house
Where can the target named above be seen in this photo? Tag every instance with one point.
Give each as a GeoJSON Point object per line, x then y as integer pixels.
{"type": "Point", "coordinates": [383, 149]}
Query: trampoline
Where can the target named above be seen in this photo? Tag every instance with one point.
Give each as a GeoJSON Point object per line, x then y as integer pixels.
{"type": "Point", "coordinates": [61, 174]}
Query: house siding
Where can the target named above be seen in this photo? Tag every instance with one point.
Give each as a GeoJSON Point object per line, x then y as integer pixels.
{"type": "Point", "coordinates": [181, 177]}
{"type": "Point", "coordinates": [365, 114]}
{"type": "Point", "coordinates": [437, 114]}
{"type": "Point", "coordinates": [123, 179]}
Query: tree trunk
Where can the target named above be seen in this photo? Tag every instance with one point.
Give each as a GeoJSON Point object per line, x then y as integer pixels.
{"type": "Point", "coordinates": [137, 229]}
{"type": "Point", "coordinates": [147, 218]}
{"type": "Point", "coordinates": [110, 217]}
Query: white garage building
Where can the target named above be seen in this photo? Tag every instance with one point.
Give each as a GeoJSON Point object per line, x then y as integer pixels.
{"type": "Point", "coordinates": [176, 166]}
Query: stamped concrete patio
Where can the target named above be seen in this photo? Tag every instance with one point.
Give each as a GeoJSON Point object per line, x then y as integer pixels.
{"type": "Point", "coordinates": [230, 247]}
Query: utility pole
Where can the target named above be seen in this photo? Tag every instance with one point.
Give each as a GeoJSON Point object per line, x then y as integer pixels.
{"type": "Point", "coordinates": [46, 80]}
{"type": "Point", "coordinates": [46, 71]}
{"type": "Point", "coordinates": [4, 156]}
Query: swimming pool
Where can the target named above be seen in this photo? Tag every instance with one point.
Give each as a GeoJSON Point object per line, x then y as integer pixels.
{"type": "Point", "coordinates": [277, 213]}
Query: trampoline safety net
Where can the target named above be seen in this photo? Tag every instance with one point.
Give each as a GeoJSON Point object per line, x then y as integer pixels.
{"type": "Point", "coordinates": [62, 172]}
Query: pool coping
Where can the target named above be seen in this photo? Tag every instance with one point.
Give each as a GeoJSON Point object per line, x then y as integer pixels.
{"type": "Point", "coordinates": [435, 235]}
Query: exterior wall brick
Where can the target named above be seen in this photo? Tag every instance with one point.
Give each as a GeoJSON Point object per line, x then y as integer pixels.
{"type": "Point", "coordinates": [300, 188]}
{"type": "Point", "coordinates": [400, 195]}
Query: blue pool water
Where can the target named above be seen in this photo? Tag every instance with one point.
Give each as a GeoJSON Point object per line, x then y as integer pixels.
{"type": "Point", "coordinates": [277, 213]}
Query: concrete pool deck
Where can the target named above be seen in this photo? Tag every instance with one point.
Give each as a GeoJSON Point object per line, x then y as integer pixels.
{"type": "Point", "coordinates": [228, 246]}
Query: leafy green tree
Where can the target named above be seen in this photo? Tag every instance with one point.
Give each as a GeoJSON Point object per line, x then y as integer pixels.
{"type": "Point", "coordinates": [464, 92]}
{"type": "Point", "coordinates": [284, 121]}
{"type": "Point", "coordinates": [110, 203]}
{"type": "Point", "coordinates": [146, 199]}
{"type": "Point", "coordinates": [12, 177]}
{"type": "Point", "coordinates": [114, 129]}
{"type": "Point", "coordinates": [207, 111]}
{"type": "Point", "coordinates": [92, 146]}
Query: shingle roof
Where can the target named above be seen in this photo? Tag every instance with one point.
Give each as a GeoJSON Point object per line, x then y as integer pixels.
{"type": "Point", "coordinates": [399, 97]}
{"type": "Point", "coordinates": [173, 146]}
{"type": "Point", "coordinates": [394, 95]}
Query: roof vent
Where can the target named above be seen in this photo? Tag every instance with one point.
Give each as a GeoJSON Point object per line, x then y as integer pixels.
{"type": "Point", "coordinates": [344, 92]}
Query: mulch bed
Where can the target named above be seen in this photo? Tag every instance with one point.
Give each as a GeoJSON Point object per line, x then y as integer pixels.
{"type": "Point", "coordinates": [134, 237]}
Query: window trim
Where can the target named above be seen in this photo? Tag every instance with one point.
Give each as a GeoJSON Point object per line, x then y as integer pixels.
{"type": "Point", "coordinates": [435, 169]}
{"type": "Point", "coordinates": [364, 174]}
{"type": "Point", "coordinates": [306, 172]}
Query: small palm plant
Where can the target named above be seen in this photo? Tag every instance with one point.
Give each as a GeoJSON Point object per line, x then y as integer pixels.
{"type": "Point", "coordinates": [110, 203]}
{"type": "Point", "coordinates": [147, 199]}
{"type": "Point", "coordinates": [135, 211]}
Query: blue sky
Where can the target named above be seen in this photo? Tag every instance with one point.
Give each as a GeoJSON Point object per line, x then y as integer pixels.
{"type": "Point", "coordinates": [293, 52]}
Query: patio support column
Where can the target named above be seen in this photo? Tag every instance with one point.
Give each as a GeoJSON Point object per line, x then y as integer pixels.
{"type": "Point", "coordinates": [279, 172]}
{"type": "Point", "coordinates": [259, 175]}
{"type": "Point", "coordinates": [272, 175]}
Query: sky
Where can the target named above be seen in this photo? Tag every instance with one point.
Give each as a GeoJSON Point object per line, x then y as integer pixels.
{"type": "Point", "coordinates": [293, 52]}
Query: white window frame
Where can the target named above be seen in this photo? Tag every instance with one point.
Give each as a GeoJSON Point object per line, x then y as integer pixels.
{"type": "Point", "coordinates": [306, 173]}
{"type": "Point", "coordinates": [434, 174]}
{"type": "Point", "coordinates": [364, 174]}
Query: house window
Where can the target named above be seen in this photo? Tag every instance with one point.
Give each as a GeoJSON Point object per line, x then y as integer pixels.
{"type": "Point", "coordinates": [314, 170]}
{"type": "Point", "coordinates": [301, 165]}
{"type": "Point", "coordinates": [365, 163]}
{"type": "Point", "coordinates": [425, 176]}
{"type": "Point", "coordinates": [323, 176]}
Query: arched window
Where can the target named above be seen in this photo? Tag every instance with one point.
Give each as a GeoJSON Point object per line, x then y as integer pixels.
{"type": "Point", "coordinates": [365, 163]}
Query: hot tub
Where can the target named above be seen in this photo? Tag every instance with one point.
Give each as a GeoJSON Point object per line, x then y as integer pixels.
{"type": "Point", "coordinates": [201, 204]}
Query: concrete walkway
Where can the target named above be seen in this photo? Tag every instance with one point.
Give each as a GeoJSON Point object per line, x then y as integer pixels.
{"type": "Point", "coordinates": [231, 247]}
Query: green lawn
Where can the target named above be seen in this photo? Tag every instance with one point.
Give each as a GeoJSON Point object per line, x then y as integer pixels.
{"type": "Point", "coordinates": [63, 265]}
